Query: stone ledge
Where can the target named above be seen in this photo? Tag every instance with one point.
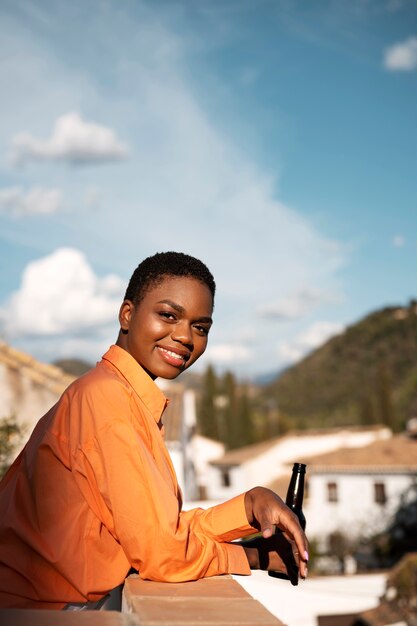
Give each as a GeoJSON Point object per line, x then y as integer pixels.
{"type": "Point", "coordinates": [216, 601]}
{"type": "Point", "coordinates": [213, 587]}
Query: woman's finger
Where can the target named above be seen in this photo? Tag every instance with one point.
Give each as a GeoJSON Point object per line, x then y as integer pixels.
{"type": "Point", "coordinates": [267, 529]}
{"type": "Point", "coordinates": [292, 527]}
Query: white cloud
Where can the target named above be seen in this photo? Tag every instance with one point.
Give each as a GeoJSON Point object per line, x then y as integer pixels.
{"type": "Point", "coordinates": [227, 354]}
{"type": "Point", "coordinates": [61, 294]}
{"type": "Point", "coordinates": [35, 201]}
{"type": "Point", "coordinates": [73, 140]}
{"type": "Point", "coordinates": [295, 305]}
{"type": "Point", "coordinates": [398, 241]}
{"type": "Point", "coordinates": [188, 185]}
{"type": "Point", "coordinates": [401, 56]}
{"type": "Point", "coordinates": [86, 348]}
{"type": "Point", "coordinates": [316, 335]}
{"type": "Point", "coordinates": [92, 198]}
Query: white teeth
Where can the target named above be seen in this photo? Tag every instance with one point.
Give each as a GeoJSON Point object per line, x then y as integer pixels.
{"type": "Point", "coordinates": [173, 354]}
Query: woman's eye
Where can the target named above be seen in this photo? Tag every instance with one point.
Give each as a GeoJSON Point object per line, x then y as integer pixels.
{"type": "Point", "coordinates": [167, 315]}
{"type": "Point", "coordinates": [202, 330]}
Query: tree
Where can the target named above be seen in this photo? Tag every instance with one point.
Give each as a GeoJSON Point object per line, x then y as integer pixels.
{"type": "Point", "coordinates": [11, 435]}
{"type": "Point", "coordinates": [230, 416]}
{"type": "Point", "coordinates": [367, 410]}
{"type": "Point", "coordinates": [400, 536]}
{"type": "Point", "coordinates": [383, 389]}
{"type": "Point", "coordinates": [235, 413]}
{"type": "Point", "coordinates": [207, 415]}
{"type": "Point", "coordinates": [403, 530]}
{"type": "Point", "coordinates": [225, 411]}
{"type": "Point", "coordinates": [403, 580]}
{"type": "Point", "coordinates": [340, 546]}
{"type": "Point", "coordinates": [245, 434]}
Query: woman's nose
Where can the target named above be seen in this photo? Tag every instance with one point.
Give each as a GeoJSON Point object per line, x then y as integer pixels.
{"type": "Point", "coordinates": [182, 333]}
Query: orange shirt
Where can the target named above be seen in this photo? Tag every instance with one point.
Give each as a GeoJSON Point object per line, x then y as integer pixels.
{"type": "Point", "coordinates": [94, 492]}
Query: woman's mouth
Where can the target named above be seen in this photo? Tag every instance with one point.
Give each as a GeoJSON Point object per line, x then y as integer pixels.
{"type": "Point", "coordinates": [171, 357]}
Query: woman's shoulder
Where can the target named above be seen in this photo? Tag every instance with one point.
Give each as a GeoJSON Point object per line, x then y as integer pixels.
{"type": "Point", "coordinates": [102, 382]}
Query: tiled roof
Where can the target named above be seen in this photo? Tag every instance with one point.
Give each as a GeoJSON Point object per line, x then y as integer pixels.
{"type": "Point", "coordinates": [398, 454]}
{"type": "Point", "coordinates": [236, 457]}
{"type": "Point", "coordinates": [44, 374]}
{"type": "Point", "coordinates": [241, 455]}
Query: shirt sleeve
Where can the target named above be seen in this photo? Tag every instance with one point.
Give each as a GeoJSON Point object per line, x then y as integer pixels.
{"type": "Point", "coordinates": [132, 497]}
{"type": "Point", "coordinates": [223, 523]}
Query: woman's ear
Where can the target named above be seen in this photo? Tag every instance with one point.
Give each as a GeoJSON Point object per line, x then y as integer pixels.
{"type": "Point", "coordinates": [125, 315]}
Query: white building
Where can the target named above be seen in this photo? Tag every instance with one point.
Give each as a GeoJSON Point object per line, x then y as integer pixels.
{"type": "Point", "coordinates": [260, 464]}
{"type": "Point", "coordinates": [190, 453]}
{"type": "Point", "coordinates": [354, 485]}
{"type": "Point", "coordinates": [356, 491]}
{"type": "Point", "coordinates": [28, 388]}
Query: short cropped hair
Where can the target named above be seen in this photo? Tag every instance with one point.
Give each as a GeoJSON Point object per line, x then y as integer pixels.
{"type": "Point", "coordinates": [152, 271]}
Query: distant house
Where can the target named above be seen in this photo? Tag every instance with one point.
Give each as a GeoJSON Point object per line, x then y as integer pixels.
{"type": "Point", "coordinates": [356, 477]}
{"type": "Point", "coordinates": [28, 388]}
{"type": "Point", "coordinates": [356, 491]}
{"type": "Point", "coordinates": [270, 461]}
{"type": "Point", "coordinates": [190, 453]}
{"type": "Point", "coordinates": [203, 451]}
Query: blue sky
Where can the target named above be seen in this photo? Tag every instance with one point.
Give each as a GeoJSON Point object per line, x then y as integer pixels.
{"type": "Point", "coordinates": [275, 140]}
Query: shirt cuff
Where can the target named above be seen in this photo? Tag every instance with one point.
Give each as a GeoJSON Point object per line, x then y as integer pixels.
{"type": "Point", "coordinates": [229, 520]}
{"type": "Point", "coordinates": [237, 562]}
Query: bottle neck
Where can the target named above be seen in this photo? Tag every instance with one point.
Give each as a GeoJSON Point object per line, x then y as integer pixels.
{"type": "Point", "coordinates": [295, 492]}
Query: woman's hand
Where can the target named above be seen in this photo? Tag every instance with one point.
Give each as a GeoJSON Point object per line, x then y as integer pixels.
{"type": "Point", "coordinates": [285, 551]}
{"type": "Point", "coordinates": [276, 554]}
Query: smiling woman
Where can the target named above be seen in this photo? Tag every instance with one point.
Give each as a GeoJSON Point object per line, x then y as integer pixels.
{"type": "Point", "coordinates": [94, 492]}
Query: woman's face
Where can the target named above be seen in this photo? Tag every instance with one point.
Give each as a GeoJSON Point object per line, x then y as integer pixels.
{"type": "Point", "coordinates": [168, 330]}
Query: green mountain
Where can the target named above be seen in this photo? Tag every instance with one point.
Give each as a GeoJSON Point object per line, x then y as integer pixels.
{"type": "Point", "coordinates": [366, 375]}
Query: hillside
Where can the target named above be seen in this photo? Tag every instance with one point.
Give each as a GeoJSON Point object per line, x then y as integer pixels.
{"type": "Point", "coordinates": [75, 367]}
{"type": "Point", "coordinates": [367, 374]}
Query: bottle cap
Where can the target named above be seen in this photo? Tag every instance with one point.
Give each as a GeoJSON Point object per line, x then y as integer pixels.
{"type": "Point", "coordinates": [300, 467]}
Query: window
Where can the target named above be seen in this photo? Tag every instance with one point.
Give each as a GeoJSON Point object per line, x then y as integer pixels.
{"type": "Point", "coordinates": [225, 477]}
{"type": "Point", "coordinates": [379, 493]}
{"type": "Point", "coordinates": [332, 492]}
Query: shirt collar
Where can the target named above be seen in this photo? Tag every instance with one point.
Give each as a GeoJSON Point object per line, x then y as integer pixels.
{"type": "Point", "coordinates": [142, 383]}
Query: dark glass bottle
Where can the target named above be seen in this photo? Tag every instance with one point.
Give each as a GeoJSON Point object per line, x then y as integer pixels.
{"type": "Point", "coordinates": [294, 501]}
{"type": "Point", "coordinates": [295, 493]}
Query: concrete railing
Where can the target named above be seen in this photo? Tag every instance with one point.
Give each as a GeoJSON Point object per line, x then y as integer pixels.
{"type": "Point", "coordinates": [216, 601]}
